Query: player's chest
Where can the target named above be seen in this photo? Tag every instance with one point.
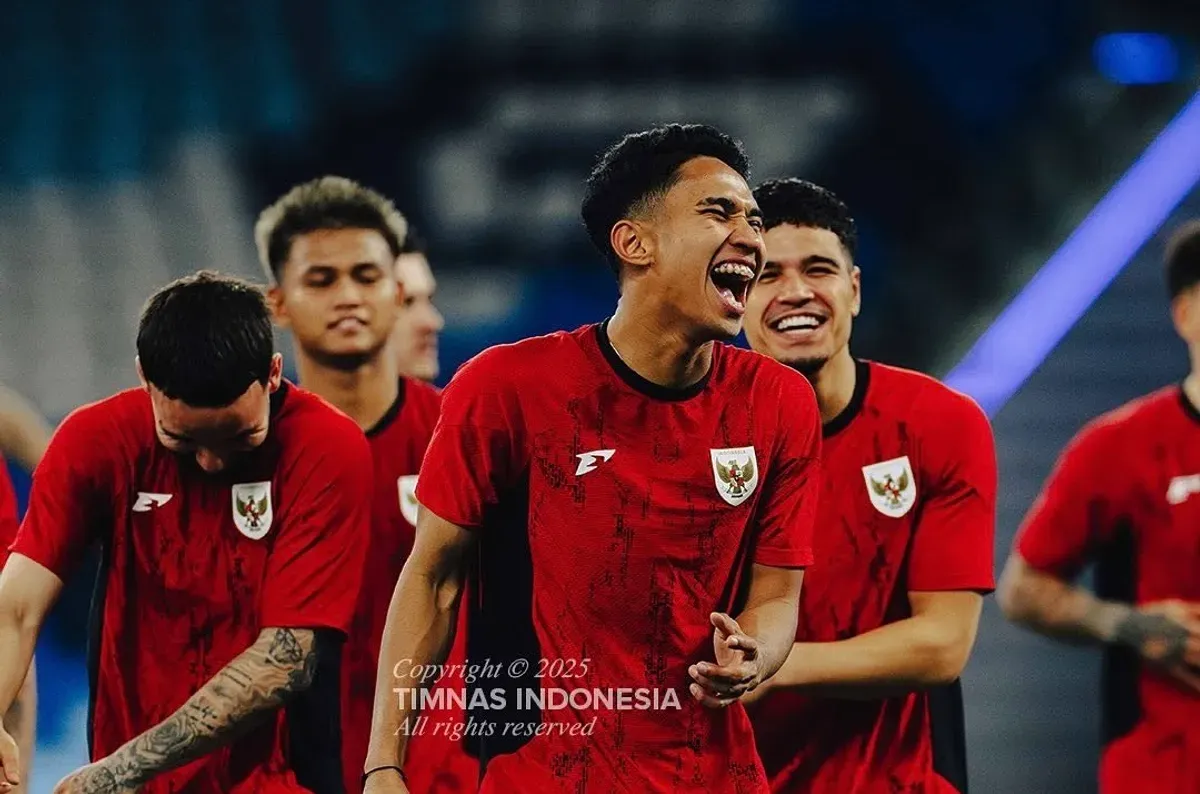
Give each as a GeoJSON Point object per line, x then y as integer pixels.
{"type": "Point", "coordinates": [670, 463]}
{"type": "Point", "coordinates": [201, 539]}
{"type": "Point", "coordinates": [872, 488]}
{"type": "Point", "coordinates": [1165, 505]}
{"type": "Point", "coordinates": [394, 504]}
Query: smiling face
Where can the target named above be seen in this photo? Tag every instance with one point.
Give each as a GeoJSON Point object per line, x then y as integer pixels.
{"type": "Point", "coordinates": [702, 247]}
{"type": "Point", "coordinates": [802, 309]}
{"type": "Point", "coordinates": [338, 295]}
{"type": "Point", "coordinates": [420, 321]}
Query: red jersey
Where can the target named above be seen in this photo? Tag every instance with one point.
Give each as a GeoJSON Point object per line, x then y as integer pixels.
{"type": "Point", "coordinates": [8, 512]}
{"type": "Point", "coordinates": [908, 504]}
{"type": "Point", "coordinates": [398, 443]}
{"type": "Point", "coordinates": [614, 516]}
{"type": "Point", "coordinates": [195, 565]}
{"type": "Point", "coordinates": [1125, 494]}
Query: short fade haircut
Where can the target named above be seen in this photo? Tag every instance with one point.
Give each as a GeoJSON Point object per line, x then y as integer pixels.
{"type": "Point", "coordinates": [641, 168]}
{"type": "Point", "coordinates": [799, 202]}
{"type": "Point", "coordinates": [1183, 259]}
{"type": "Point", "coordinates": [331, 202]}
{"type": "Point", "coordinates": [203, 339]}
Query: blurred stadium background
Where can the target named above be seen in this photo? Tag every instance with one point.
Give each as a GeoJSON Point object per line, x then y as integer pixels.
{"type": "Point", "coordinates": [139, 138]}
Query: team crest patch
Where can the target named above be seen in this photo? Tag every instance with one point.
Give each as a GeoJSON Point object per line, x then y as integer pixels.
{"type": "Point", "coordinates": [735, 472]}
{"type": "Point", "coordinates": [891, 486]}
{"type": "Point", "coordinates": [252, 508]}
{"type": "Point", "coordinates": [408, 498]}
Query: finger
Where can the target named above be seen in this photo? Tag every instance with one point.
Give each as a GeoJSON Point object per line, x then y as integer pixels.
{"type": "Point", "coordinates": [733, 674]}
{"type": "Point", "coordinates": [724, 623]}
{"type": "Point", "coordinates": [743, 642]}
{"type": "Point", "coordinates": [708, 700]}
{"type": "Point", "coordinates": [720, 688]}
{"type": "Point", "coordinates": [10, 759]}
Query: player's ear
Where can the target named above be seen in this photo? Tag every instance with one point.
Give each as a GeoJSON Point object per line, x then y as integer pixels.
{"type": "Point", "coordinates": [278, 309]}
{"type": "Point", "coordinates": [275, 374]}
{"type": "Point", "coordinates": [1184, 315]}
{"type": "Point", "coordinates": [632, 242]}
{"type": "Point", "coordinates": [856, 285]}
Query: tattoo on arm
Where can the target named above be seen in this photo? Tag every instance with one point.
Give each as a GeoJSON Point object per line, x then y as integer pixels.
{"type": "Point", "coordinates": [1155, 636]}
{"type": "Point", "coordinates": [247, 689]}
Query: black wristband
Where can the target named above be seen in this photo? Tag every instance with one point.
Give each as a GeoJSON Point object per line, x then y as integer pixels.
{"type": "Point", "coordinates": [370, 772]}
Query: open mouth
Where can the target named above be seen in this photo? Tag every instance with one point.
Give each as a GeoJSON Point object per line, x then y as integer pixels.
{"type": "Point", "coordinates": [347, 324]}
{"type": "Point", "coordinates": [732, 281]}
{"type": "Point", "coordinates": [798, 325]}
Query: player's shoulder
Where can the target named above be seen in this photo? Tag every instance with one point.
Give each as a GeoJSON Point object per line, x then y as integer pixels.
{"type": "Point", "coordinates": [305, 421]}
{"type": "Point", "coordinates": [532, 358]}
{"type": "Point", "coordinates": [419, 393]}
{"type": "Point", "coordinates": [761, 372]}
{"type": "Point", "coordinates": [119, 424]}
{"type": "Point", "coordinates": [1134, 419]}
{"type": "Point", "coordinates": [917, 395]}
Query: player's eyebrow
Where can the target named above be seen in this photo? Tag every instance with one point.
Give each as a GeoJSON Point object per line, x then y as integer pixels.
{"type": "Point", "coordinates": [169, 434]}
{"type": "Point", "coordinates": [818, 259]}
{"type": "Point", "coordinates": [729, 205]}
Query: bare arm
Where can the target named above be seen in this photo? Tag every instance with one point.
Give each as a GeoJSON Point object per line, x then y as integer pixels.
{"type": "Point", "coordinates": [927, 649]}
{"type": "Point", "coordinates": [1056, 608]}
{"type": "Point", "coordinates": [21, 723]}
{"type": "Point", "coordinates": [419, 632]}
{"type": "Point", "coordinates": [24, 433]}
{"type": "Point", "coordinates": [280, 663]}
{"type": "Point", "coordinates": [27, 591]}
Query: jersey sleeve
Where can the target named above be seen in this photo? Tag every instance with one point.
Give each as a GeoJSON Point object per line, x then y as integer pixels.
{"type": "Point", "coordinates": [788, 508]}
{"type": "Point", "coordinates": [474, 453]}
{"type": "Point", "coordinates": [953, 541]}
{"type": "Point", "coordinates": [71, 498]}
{"type": "Point", "coordinates": [315, 568]}
{"type": "Point", "coordinates": [8, 512]}
{"type": "Point", "coordinates": [1078, 506]}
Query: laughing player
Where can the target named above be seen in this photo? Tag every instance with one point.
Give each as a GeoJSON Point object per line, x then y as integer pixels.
{"type": "Point", "coordinates": [232, 508]}
{"type": "Point", "coordinates": [330, 248]}
{"type": "Point", "coordinates": [623, 489]}
{"type": "Point", "coordinates": [868, 701]}
{"type": "Point", "coordinates": [1125, 494]}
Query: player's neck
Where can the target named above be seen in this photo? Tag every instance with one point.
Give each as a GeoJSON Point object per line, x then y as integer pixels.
{"type": "Point", "coordinates": [660, 352]}
{"type": "Point", "coordinates": [1191, 385]}
{"type": "Point", "coordinates": [834, 384]}
{"type": "Point", "coordinates": [365, 394]}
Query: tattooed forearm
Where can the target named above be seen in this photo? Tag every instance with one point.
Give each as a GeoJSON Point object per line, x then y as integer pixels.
{"type": "Point", "coordinates": [246, 690]}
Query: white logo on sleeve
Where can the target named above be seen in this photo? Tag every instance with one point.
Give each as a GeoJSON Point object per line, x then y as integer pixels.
{"type": "Point", "coordinates": [588, 461]}
{"type": "Point", "coordinates": [735, 473]}
{"type": "Point", "coordinates": [891, 486]}
{"type": "Point", "coordinates": [408, 498]}
{"type": "Point", "coordinates": [1182, 487]}
{"type": "Point", "coordinates": [252, 511]}
{"type": "Point", "coordinates": [147, 501]}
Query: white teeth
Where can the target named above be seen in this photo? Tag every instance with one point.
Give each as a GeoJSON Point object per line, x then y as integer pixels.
{"type": "Point", "coordinates": [735, 269]}
{"type": "Point", "coordinates": [797, 321]}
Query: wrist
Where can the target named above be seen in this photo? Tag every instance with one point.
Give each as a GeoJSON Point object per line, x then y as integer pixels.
{"type": "Point", "coordinates": [1111, 623]}
{"type": "Point", "coordinates": [373, 770]}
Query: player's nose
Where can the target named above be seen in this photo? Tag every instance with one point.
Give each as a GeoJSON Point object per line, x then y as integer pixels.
{"type": "Point", "coordinates": [209, 462]}
{"type": "Point", "coordinates": [434, 320]}
{"type": "Point", "coordinates": [795, 289]}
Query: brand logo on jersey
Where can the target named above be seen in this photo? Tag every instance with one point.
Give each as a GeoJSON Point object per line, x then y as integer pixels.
{"type": "Point", "coordinates": [735, 472]}
{"type": "Point", "coordinates": [891, 486]}
{"type": "Point", "coordinates": [408, 497]}
{"type": "Point", "coordinates": [147, 501]}
{"type": "Point", "coordinates": [252, 508]}
{"type": "Point", "coordinates": [1182, 487]}
{"type": "Point", "coordinates": [588, 461]}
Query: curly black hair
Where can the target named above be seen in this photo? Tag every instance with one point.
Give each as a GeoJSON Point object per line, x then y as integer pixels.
{"type": "Point", "coordinates": [642, 167]}
{"type": "Point", "coordinates": [802, 203]}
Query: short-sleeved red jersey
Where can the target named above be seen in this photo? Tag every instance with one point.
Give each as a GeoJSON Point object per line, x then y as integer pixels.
{"type": "Point", "coordinates": [614, 516]}
{"type": "Point", "coordinates": [1125, 494]}
{"type": "Point", "coordinates": [908, 504]}
{"type": "Point", "coordinates": [398, 442]}
{"type": "Point", "coordinates": [8, 512]}
{"type": "Point", "coordinates": [195, 565]}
